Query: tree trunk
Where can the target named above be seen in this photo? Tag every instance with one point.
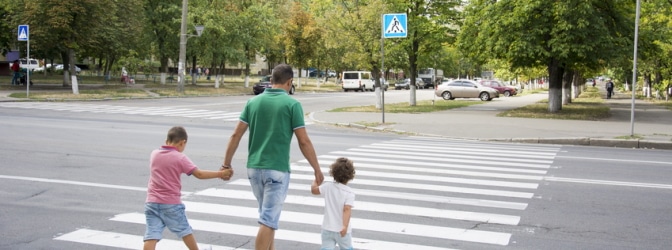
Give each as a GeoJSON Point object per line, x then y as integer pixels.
{"type": "Point", "coordinates": [193, 70]}
{"type": "Point", "coordinates": [577, 84]}
{"type": "Point", "coordinates": [556, 70]}
{"type": "Point", "coordinates": [566, 86]}
{"type": "Point", "coordinates": [413, 65]}
{"type": "Point", "coordinates": [647, 85]}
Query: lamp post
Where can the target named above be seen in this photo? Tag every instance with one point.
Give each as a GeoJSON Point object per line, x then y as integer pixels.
{"type": "Point", "coordinates": [183, 47]}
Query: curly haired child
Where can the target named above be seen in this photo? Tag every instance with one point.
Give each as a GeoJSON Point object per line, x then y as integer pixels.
{"type": "Point", "coordinates": [338, 203]}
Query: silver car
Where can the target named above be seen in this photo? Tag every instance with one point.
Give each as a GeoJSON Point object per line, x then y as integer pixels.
{"type": "Point", "coordinates": [462, 88]}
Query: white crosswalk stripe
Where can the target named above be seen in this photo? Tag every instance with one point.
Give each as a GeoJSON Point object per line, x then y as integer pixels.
{"type": "Point", "coordinates": [412, 193]}
{"type": "Point", "coordinates": [113, 109]}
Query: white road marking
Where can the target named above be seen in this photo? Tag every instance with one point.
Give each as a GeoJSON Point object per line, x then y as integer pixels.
{"type": "Point", "coordinates": [609, 183]}
{"type": "Point", "coordinates": [433, 178]}
{"type": "Point", "coordinates": [617, 160]}
{"type": "Point", "coordinates": [362, 165]}
{"type": "Point", "coordinates": [413, 196]}
{"type": "Point", "coordinates": [447, 233]}
{"type": "Point", "coordinates": [125, 241]}
{"type": "Point", "coordinates": [377, 207]}
{"type": "Point", "coordinates": [283, 234]}
{"type": "Point", "coordinates": [430, 164]}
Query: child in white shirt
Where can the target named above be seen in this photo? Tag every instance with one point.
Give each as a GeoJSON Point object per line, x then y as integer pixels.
{"type": "Point", "coordinates": [338, 202]}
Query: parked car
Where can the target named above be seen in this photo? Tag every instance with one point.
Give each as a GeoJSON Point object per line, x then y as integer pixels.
{"type": "Point", "coordinates": [316, 73]}
{"type": "Point", "coordinates": [265, 83]}
{"type": "Point", "coordinates": [462, 88]}
{"type": "Point", "coordinates": [331, 73]}
{"type": "Point", "coordinates": [503, 89]}
{"type": "Point", "coordinates": [406, 83]}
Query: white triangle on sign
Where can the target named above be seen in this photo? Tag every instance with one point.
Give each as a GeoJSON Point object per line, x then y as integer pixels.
{"type": "Point", "coordinates": [23, 34]}
{"type": "Point", "coordinates": [395, 26]}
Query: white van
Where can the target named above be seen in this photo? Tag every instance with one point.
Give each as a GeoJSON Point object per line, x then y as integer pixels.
{"type": "Point", "coordinates": [358, 81]}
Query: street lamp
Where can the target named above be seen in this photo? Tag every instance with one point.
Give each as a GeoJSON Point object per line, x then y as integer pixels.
{"type": "Point", "coordinates": [183, 47]}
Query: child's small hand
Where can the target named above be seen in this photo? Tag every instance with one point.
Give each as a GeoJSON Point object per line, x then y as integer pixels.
{"type": "Point", "coordinates": [344, 231]}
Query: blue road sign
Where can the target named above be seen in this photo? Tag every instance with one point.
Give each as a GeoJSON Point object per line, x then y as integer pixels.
{"type": "Point", "coordinates": [395, 25]}
{"type": "Point", "coordinates": [23, 33]}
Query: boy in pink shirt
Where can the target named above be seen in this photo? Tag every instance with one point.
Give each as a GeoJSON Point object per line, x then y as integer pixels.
{"type": "Point", "coordinates": [163, 207]}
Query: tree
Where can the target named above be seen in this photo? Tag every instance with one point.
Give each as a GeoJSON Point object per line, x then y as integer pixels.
{"type": "Point", "coordinates": [300, 33]}
{"type": "Point", "coordinates": [163, 30]}
{"type": "Point", "coordinates": [66, 26]}
{"type": "Point", "coordinates": [556, 34]}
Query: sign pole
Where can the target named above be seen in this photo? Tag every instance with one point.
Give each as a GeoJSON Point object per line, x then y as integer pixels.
{"type": "Point", "coordinates": [23, 34]}
{"type": "Point", "coordinates": [27, 71]}
{"type": "Point", "coordinates": [382, 64]}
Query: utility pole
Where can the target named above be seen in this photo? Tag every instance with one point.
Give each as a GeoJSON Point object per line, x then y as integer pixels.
{"type": "Point", "coordinates": [183, 49]}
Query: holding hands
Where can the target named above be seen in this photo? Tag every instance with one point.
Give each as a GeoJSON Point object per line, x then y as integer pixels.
{"type": "Point", "coordinates": [226, 172]}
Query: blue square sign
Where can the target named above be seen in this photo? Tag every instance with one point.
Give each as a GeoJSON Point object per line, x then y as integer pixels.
{"type": "Point", "coordinates": [395, 25]}
{"type": "Point", "coordinates": [23, 33]}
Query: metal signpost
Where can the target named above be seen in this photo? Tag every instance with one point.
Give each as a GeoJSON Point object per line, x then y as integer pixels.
{"type": "Point", "coordinates": [394, 26]}
{"type": "Point", "coordinates": [24, 35]}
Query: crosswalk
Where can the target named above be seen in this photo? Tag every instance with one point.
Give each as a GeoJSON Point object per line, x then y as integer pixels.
{"type": "Point", "coordinates": [117, 109]}
{"type": "Point", "coordinates": [411, 193]}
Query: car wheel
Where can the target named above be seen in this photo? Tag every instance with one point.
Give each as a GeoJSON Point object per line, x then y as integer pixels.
{"type": "Point", "coordinates": [484, 96]}
{"type": "Point", "coordinates": [408, 87]}
{"type": "Point", "coordinates": [447, 96]}
{"type": "Point", "coordinates": [292, 90]}
{"type": "Point", "coordinates": [507, 93]}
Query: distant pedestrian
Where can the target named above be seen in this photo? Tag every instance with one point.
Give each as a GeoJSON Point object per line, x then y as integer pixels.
{"type": "Point", "coordinates": [16, 71]}
{"type": "Point", "coordinates": [163, 207]}
{"type": "Point", "coordinates": [610, 89]}
{"type": "Point", "coordinates": [338, 202]}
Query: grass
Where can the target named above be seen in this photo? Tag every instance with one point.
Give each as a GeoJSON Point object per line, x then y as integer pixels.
{"type": "Point", "coordinates": [588, 106]}
{"type": "Point", "coordinates": [630, 137]}
{"type": "Point", "coordinates": [404, 107]}
{"type": "Point", "coordinates": [84, 94]}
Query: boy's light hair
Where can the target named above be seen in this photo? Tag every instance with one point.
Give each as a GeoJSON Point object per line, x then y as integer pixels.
{"type": "Point", "coordinates": [343, 170]}
{"type": "Point", "coordinates": [176, 134]}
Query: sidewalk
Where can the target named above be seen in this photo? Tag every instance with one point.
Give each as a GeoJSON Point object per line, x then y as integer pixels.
{"type": "Point", "coordinates": [480, 122]}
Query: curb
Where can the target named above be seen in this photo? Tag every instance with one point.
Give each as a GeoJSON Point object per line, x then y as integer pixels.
{"type": "Point", "coordinates": [576, 141]}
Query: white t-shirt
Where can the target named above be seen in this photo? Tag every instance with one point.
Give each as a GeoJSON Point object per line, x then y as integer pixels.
{"type": "Point", "coordinates": [336, 196]}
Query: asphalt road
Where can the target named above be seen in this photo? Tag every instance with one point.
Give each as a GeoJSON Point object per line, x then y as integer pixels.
{"type": "Point", "coordinates": [74, 177]}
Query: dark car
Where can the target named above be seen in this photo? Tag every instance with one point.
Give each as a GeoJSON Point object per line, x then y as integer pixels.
{"type": "Point", "coordinates": [316, 73]}
{"type": "Point", "coordinates": [265, 83]}
{"type": "Point", "coordinates": [502, 88]}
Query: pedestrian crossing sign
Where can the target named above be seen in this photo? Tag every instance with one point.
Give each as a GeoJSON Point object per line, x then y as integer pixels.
{"type": "Point", "coordinates": [395, 25]}
{"type": "Point", "coordinates": [23, 33]}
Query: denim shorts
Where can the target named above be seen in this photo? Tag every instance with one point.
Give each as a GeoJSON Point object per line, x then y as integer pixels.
{"type": "Point", "coordinates": [330, 239]}
{"type": "Point", "coordinates": [270, 188]}
{"type": "Point", "coordinates": [159, 216]}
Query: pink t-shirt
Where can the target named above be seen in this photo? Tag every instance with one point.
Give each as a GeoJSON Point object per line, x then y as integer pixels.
{"type": "Point", "coordinates": [165, 167]}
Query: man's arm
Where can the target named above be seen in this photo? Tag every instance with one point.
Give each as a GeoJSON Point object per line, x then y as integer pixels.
{"type": "Point", "coordinates": [234, 141]}
{"type": "Point", "coordinates": [308, 152]}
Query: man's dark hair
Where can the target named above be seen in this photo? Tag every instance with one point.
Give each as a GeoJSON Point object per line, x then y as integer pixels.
{"type": "Point", "coordinates": [281, 74]}
{"type": "Point", "coordinates": [343, 170]}
{"type": "Point", "coordinates": [176, 134]}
